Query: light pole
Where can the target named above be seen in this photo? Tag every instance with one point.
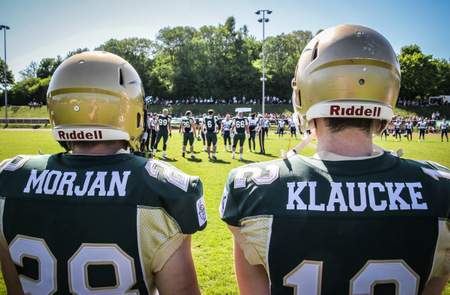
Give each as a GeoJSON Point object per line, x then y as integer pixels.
{"type": "Point", "coordinates": [6, 80]}
{"type": "Point", "coordinates": [263, 20]}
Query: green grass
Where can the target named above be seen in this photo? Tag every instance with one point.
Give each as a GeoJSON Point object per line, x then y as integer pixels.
{"type": "Point", "coordinates": [212, 248]}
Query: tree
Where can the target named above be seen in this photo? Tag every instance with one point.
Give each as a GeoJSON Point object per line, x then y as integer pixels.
{"type": "Point", "coordinates": [30, 71]}
{"type": "Point", "coordinates": [282, 54]}
{"type": "Point", "coordinates": [48, 66]}
{"type": "Point", "coordinates": [9, 74]}
{"type": "Point", "coordinates": [419, 73]}
{"type": "Point", "coordinates": [444, 77]}
{"type": "Point", "coordinates": [30, 90]}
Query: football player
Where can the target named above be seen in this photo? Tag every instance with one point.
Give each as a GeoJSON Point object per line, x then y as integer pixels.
{"type": "Point", "coordinates": [281, 123]}
{"type": "Point", "coordinates": [210, 127]}
{"type": "Point", "coordinates": [260, 130]}
{"type": "Point", "coordinates": [422, 129]}
{"type": "Point", "coordinates": [409, 128]}
{"type": "Point", "coordinates": [226, 132]}
{"type": "Point", "coordinates": [252, 124]}
{"type": "Point", "coordinates": [444, 127]}
{"type": "Point", "coordinates": [189, 132]}
{"type": "Point", "coordinates": [292, 127]}
{"type": "Point", "coordinates": [348, 220]}
{"type": "Point", "coordinates": [397, 131]}
{"type": "Point", "coordinates": [98, 219]}
{"type": "Point", "coordinates": [239, 129]}
{"type": "Point", "coordinates": [164, 128]}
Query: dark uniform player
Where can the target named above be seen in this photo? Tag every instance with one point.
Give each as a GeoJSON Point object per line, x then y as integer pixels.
{"type": "Point", "coordinates": [210, 126]}
{"type": "Point", "coordinates": [164, 131]}
{"type": "Point", "coordinates": [100, 222]}
{"type": "Point", "coordinates": [347, 220]}
{"type": "Point", "coordinates": [189, 132]}
{"type": "Point", "coordinates": [239, 129]}
{"type": "Point", "coordinates": [281, 123]}
{"type": "Point", "coordinates": [261, 133]}
{"type": "Point", "coordinates": [292, 127]}
{"type": "Point", "coordinates": [252, 124]}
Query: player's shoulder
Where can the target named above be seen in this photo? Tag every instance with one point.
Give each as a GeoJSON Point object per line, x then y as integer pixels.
{"type": "Point", "coordinates": [275, 169]}
{"type": "Point", "coordinates": [20, 161]}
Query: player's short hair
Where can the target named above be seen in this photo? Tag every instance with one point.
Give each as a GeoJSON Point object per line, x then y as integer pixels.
{"type": "Point", "coordinates": [339, 124]}
{"type": "Point", "coordinates": [91, 144]}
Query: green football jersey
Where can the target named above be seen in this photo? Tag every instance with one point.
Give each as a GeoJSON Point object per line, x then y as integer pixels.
{"type": "Point", "coordinates": [341, 227]}
{"type": "Point", "coordinates": [188, 124]}
{"type": "Point", "coordinates": [164, 122]}
{"type": "Point", "coordinates": [240, 124]}
{"type": "Point", "coordinates": [211, 123]}
{"type": "Point", "coordinates": [77, 224]}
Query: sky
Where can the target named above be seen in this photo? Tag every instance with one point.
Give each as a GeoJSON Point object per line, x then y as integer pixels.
{"type": "Point", "coordinates": [48, 28]}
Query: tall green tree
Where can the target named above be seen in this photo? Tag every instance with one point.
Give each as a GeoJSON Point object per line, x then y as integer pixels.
{"type": "Point", "coordinates": [282, 54]}
{"type": "Point", "coordinates": [30, 71]}
{"type": "Point", "coordinates": [48, 66]}
{"type": "Point", "coordinates": [9, 74]}
{"type": "Point", "coordinates": [419, 73]}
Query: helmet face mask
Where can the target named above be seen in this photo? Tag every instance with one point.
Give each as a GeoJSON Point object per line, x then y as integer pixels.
{"type": "Point", "coordinates": [96, 96]}
{"type": "Point", "coordinates": [346, 72]}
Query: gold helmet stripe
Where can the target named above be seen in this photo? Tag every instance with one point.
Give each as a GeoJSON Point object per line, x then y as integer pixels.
{"type": "Point", "coordinates": [72, 90]}
{"type": "Point", "coordinates": [358, 62]}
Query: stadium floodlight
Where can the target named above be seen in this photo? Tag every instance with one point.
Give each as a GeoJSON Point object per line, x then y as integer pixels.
{"type": "Point", "coordinates": [6, 80]}
{"type": "Point", "coordinates": [263, 20]}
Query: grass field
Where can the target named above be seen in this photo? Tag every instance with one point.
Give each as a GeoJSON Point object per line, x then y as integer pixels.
{"type": "Point", "coordinates": [212, 248]}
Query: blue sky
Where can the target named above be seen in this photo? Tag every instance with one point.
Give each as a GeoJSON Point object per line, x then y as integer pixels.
{"type": "Point", "coordinates": [47, 28]}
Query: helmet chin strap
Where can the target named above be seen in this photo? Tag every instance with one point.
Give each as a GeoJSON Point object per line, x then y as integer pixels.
{"type": "Point", "coordinates": [306, 141]}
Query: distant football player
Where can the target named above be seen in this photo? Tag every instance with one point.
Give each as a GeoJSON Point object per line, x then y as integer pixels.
{"type": "Point", "coordinates": [292, 127]}
{"type": "Point", "coordinates": [444, 127]}
{"type": "Point", "coordinates": [348, 220]}
{"type": "Point", "coordinates": [409, 127]}
{"type": "Point", "coordinates": [261, 133]}
{"type": "Point", "coordinates": [397, 131]}
{"type": "Point", "coordinates": [98, 219]}
{"type": "Point", "coordinates": [164, 130]}
{"type": "Point", "coordinates": [211, 129]}
{"type": "Point", "coordinates": [281, 123]}
{"type": "Point", "coordinates": [252, 125]}
{"type": "Point", "coordinates": [239, 129]}
{"type": "Point", "coordinates": [188, 129]}
{"type": "Point", "coordinates": [422, 125]}
{"type": "Point", "coordinates": [226, 132]}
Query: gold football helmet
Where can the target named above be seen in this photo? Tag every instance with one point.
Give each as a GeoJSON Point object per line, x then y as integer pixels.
{"type": "Point", "coordinates": [346, 71]}
{"type": "Point", "coordinates": [96, 96]}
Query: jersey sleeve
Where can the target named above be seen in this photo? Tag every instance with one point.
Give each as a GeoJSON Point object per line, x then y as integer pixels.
{"type": "Point", "coordinates": [228, 206]}
{"type": "Point", "coordinates": [179, 194]}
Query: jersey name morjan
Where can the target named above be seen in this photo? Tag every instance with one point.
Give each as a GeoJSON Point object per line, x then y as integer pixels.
{"type": "Point", "coordinates": [95, 183]}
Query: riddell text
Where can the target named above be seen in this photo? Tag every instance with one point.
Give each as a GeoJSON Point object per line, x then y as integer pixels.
{"type": "Point", "coordinates": [336, 110]}
{"type": "Point", "coordinates": [96, 135]}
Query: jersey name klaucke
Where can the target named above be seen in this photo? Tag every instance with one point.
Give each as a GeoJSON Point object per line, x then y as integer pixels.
{"type": "Point", "coordinates": [357, 197]}
{"type": "Point", "coordinates": [94, 183]}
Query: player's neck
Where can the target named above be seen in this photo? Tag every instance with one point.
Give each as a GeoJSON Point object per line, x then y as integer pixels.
{"type": "Point", "coordinates": [351, 142]}
{"type": "Point", "coordinates": [110, 148]}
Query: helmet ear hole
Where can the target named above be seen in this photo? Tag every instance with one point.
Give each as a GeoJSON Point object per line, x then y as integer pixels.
{"type": "Point", "coordinates": [138, 122]}
{"type": "Point", "coordinates": [315, 51]}
{"type": "Point", "coordinates": [121, 83]}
